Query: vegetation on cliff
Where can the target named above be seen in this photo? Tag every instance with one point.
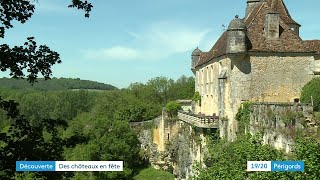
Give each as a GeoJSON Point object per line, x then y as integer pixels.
{"type": "Point", "coordinates": [172, 108]}
{"type": "Point", "coordinates": [228, 160]}
{"type": "Point", "coordinates": [311, 93]}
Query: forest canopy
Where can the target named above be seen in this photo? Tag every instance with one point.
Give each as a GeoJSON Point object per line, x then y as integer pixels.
{"type": "Point", "coordinates": [54, 84]}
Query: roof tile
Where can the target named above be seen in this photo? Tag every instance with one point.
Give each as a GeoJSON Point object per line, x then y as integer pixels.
{"type": "Point", "coordinates": [288, 41]}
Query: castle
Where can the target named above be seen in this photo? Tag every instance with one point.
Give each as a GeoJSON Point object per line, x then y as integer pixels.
{"type": "Point", "coordinates": [260, 58]}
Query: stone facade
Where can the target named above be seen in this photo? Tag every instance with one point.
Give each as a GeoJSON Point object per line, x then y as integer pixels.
{"type": "Point", "coordinates": [260, 58]}
{"type": "Point", "coordinates": [279, 122]}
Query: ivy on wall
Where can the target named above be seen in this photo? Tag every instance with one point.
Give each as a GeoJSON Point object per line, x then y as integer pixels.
{"type": "Point", "coordinates": [197, 98]}
{"type": "Point", "coordinates": [243, 117]}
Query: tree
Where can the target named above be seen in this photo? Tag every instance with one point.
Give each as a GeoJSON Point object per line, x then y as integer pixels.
{"type": "Point", "coordinates": [308, 150]}
{"type": "Point", "coordinates": [24, 141]}
{"type": "Point", "coordinates": [30, 57]}
{"type": "Point", "coordinates": [172, 108]}
{"type": "Point", "coordinates": [228, 160]}
{"type": "Point", "coordinates": [108, 139]}
{"type": "Point", "coordinates": [160, 87]}
{"type": "Point", "coordinates": [312, 88]}
{"type": "Point", "coordinates": [183, 88]}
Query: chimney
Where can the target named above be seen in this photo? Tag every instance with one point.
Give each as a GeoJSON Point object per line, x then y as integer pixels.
{"type": "Point", "coordinates": [251, 4]}
{"type": "Point", "coordinates": [272, 26]}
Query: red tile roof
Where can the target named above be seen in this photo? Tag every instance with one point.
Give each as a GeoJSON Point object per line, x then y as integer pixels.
{"type": "Point", "coordinates": [313, 45]}
{"type": "Point", "coordinates": [217, 50]}
{"type": "Point", "coordinates": [288, 41]}
{"type": "Point", "coordinates": [280, 7]}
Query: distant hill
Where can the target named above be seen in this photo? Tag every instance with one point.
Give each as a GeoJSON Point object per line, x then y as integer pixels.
{"type": "Point", "coordinates": [54, 84]}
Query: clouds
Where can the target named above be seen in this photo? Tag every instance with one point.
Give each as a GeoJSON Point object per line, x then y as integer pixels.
{"type": "Point", "coordinates": [158, 40]}
{"type": "Point", "coordinates": [57, 7]}
{"type": "Point", "coordinates": [113, 53]}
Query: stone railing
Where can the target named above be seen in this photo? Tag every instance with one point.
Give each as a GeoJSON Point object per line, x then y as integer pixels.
{"type": "Point", "coordinates": [200, 121]}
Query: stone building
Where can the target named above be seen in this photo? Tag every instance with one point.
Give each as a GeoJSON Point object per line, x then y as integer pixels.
{"type": "Point", "coordinates": [260, 58]}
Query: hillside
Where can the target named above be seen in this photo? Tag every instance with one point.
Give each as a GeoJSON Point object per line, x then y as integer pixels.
{"type": "Point", "coordinates": [54, 84]}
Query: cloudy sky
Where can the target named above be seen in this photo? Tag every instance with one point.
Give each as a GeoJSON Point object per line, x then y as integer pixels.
{"type": "Point", "coordinates": [126, 41]}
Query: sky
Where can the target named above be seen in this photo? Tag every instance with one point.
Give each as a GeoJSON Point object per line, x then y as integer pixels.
{"type": "Point", "coordinates": [127, 41]}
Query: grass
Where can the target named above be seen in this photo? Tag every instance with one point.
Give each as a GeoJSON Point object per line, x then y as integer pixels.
{"type": "Point", "coordinates": [317, 114]}
{"type": "Point", "coordinates": [153, 174]}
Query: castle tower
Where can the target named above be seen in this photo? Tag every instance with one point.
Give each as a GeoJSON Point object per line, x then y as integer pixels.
{"type": "Point", "coordinates": [236, 41]}
{"type": "Point", "coordinates": [195, 56]}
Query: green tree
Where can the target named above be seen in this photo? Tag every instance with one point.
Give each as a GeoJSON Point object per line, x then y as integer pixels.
{"type": "Point", "coordinates": [55, 84]}
{"type": "Point", "coordinates": [30, 57]}
{"type": "Point", "coordinates": [183, 88]}
{"type": "Point", "coordinates": [228, 160]}
{"type": "Point", "coordinates": [108, 139]}
{"type": "Point", "coordinates": [160, 87]}
{"type": "Point", "coordinates": [24, 141]}
{"type": "Point", "coordinates": [308, 150]}
{"type": "Point", "coordinates": [312, 89]}
{"type": "Point", "coordinates": [172, 108]}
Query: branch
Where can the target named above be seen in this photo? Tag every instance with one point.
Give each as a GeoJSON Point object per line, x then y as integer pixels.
{"type": "Point", "coordinates": [20, 10]}
{"type": "Point", "coordinates": [28, 57]}
{"type": "Point", "coordinates": [82, 5]}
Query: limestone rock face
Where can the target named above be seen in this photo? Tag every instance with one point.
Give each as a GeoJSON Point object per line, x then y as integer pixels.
{"type": "Point", "coordinates": [183, 147]}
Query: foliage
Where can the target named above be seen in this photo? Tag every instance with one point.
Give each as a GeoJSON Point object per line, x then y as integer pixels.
{"type": "Point", "coordinates": [289, 118]}
{"type": "Point", "coordinates": [93, 133]}
{"type": "Point", "coordinates": [54, 84]}
{"type": "Point", "coordinates": [182, 88]}
{"type": "Point", "coordinates": [108, 140]}
{"type": "Point", "coordinates": [161, 90]}
{"type": "Point", "coordinates": [37, 105]}
{"type": "Point", "coordinates": [312, 88]}
{"type": "Point", "coordinates": [197, 98]}
{"type": "Point", "coordinates": [28, 142]}
{"type": "Point", "coordinates": [30, 57]}
{"type": "Point", "coordinates": [308, 150]}
{"type": "Point", "coordinates": [243, 117]}
{"type": "Point", "coordinates": [228, 160]}
{"type": "Point", "coordinates": [172, 108]}
{"type": "Point", "coordinates": [150, 173]}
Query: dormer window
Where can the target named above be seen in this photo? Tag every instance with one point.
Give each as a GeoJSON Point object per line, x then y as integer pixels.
{"type": "Point", "coordinates": [295, 28]}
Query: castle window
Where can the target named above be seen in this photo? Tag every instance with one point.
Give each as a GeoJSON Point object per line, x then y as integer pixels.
{"type": "Point", "coordinates": [211, 73]}
{"type": "Point", "coordinates": [280, 30]}
{"type": "Point", "coordinates": [208, 75]}
{"type": "Point", "coordinates": [202, 77]}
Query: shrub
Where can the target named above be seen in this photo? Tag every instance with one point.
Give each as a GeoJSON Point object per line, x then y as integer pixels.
{"type": "Point", "coordinates": [172, 108]}
{"type": "Point", "coordinates": [197, 98]}
{"type": "Point", "coordinates": [151, 173]}
{"type": "Point", "coordinates": [243, 117]}
{"type": "Point", "coordinates": [312, 88]}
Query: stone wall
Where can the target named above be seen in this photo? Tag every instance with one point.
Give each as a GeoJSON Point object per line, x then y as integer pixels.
{"type": "Point", "coordinates": [174, 146]}
{"type": "Point", "coordinates": [207, 85]}
{"type": "Point", "coordinates": [225, 83]}
{"type": "Point", "coordinates": [279, 123]}
{"type": "Point", "coordinates": [279, 79]}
